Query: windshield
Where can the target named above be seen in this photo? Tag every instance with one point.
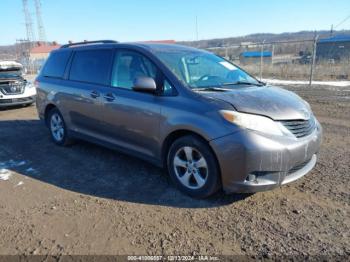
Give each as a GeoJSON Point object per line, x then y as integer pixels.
{"type": "Point", "coordinates": [204, 70]}
{"type": "Point", "coordinates": [10, 73]}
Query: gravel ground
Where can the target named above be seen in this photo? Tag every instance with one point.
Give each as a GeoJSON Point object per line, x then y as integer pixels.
{"type": "Point", "coordinates": [89, 200]}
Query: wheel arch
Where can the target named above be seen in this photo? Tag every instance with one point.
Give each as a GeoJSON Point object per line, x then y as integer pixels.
{"type": "Point", "coordinates": [174, 135]}
{"type": "Point", "coordinates": [48, 108]}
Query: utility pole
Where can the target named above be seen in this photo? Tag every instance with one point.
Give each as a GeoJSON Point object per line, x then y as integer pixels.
{"type": "Point", "coordinates": [22, 49]}
{"type": "Point", "coordinates": [313, 59]}
{"type": "Point", "coordinates": [332, 30]}
{"type": "Point", "coordinates": [40, 24]}
{"type": "Point", "coordinates": [261, 60]}
{"type": "Point", "coordinates": [28, 22]}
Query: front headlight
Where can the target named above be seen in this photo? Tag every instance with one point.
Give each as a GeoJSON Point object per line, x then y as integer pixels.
{"type": "Point", "coordinates": [253, 122]}
{"type": "Point", "coordinates": [29, 85]}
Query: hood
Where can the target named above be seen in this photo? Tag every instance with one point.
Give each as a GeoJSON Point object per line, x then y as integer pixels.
{"type": "Point", "coordinates": [274, 102]}
{"type": "Point", "coordinates": [4, 65]}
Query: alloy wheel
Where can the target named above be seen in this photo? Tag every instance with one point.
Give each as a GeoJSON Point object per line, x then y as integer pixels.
{"type": "Point", "coordinates": [57, 127]}
{"type": "Point", "coordinates": [190, 167]}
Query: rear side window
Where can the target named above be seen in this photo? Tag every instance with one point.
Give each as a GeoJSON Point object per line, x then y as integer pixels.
{"type": "Point", "coordinates": [56, 64]}
{"type": "Point", "coordinates": [92, 66]}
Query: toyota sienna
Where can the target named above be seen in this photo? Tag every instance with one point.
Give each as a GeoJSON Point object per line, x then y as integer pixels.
{"type": "Point", "coordinates": [204, 119]}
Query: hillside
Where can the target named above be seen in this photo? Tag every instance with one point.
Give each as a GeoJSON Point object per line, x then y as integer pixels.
{"type": "Point", "coordinates": [256, 38]}
{"type": "Point", "coordinates": [9, 51]}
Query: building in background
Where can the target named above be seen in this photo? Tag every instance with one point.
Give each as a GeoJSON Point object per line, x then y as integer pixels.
{"type": "Point", "coordinates": [38, 55]}
{"type": "Point", "coordinates": [253, 57]}
{"type": "Point", "coordinates": [42, 51]}
{"type": "Point", "coordinates": [335, 48]}
{"type": "Point", "coordinates": [161, 41]}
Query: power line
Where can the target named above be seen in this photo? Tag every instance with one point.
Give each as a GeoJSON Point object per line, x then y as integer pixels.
{"type": "Point", "coordinates": [343, 21]}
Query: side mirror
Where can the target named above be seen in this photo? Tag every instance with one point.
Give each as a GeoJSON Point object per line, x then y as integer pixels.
{"type": "Point", "coordinates": [144, 84]}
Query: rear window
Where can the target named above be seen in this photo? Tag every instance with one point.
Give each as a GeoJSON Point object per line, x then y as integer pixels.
{"type": "Point", "coordinates": [92, 66]}
{"type": "Point", "coordinates": [56, 64]}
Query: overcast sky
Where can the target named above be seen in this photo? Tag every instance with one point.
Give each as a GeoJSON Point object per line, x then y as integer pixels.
{"type": "Point", "coordinates": [137, 20]}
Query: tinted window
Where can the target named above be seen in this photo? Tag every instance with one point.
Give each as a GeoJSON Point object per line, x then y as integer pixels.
{"type": "Point", "coordinates": [56, 64]}
{"type": "Point", "coordinates": [91, 66]}
{"type": "Point", "coordinates": [128, 65]}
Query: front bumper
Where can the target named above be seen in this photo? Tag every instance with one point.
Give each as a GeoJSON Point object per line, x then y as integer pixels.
{"type": "Point", "coordinates": [28, 97]}
{"type": "Point", "coordinates": [253, 162]}
{"type": "Point", "coordinates": [16, 101]}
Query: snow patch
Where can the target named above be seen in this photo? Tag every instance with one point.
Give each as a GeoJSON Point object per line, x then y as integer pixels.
{"type": "Point", "coordinates": [299, 82]}
{"type": "Point", "coordinates": [12, 163]}
{"type": "Point", "coordinates": [21, 163]}
{"type": "Point", "coordinates": [30, 169]}
{"type": "Point", "coordinates": [19, 183]}
{"type": "Point", "coordinates": [5, 174]}
{"type": "Point", "coordinates": [5, 168]}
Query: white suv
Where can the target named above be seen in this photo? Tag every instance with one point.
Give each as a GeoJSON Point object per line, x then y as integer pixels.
{"type": "Point", "coordinates": [14, 89]}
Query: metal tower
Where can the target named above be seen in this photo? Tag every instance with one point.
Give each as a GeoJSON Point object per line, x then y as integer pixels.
{"type": "Point", "coordinates": [41, 29]}
{"type": "Point", "coordinates": [28, 22]}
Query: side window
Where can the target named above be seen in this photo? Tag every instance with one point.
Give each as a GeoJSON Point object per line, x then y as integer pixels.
{"type": "Point", "coordinates": [128, 65]}
{"type": "Point", "coordinates": [168, 89]}
{"type": "Point", "coordinates": [56, 64]}
{"type": "Point", "coordinates": [92, 66]}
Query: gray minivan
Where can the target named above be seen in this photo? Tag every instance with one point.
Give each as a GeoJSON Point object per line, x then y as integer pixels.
{"type": "Point", "coordinates": [205, 120]}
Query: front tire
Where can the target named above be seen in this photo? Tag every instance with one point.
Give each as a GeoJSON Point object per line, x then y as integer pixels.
{"type": "Point", "coordinates": [193, 167]}
{"type": "Point", "coordinates": [57, 127]}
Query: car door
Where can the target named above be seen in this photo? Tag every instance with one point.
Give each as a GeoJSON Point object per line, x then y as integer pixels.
{"type": "Point", "coordinates": [131, 119]}
{"type": "Point", "coordinates": [89, 74]}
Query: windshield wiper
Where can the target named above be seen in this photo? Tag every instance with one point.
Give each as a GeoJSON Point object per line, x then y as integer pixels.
{"type": "Point", "coordinates": [212, 88]}
{"type": "Point", "coordinates": [244, 83]}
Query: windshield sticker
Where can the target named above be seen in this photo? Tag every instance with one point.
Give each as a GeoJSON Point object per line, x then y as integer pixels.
{"type": "Point", "coordinates": [228, 66]}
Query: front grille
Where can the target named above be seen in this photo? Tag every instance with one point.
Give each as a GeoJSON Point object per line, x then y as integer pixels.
{"type": "Point", "coordinates": [12, 88]}
{"type": "Point", "coordinates": [300, 128]}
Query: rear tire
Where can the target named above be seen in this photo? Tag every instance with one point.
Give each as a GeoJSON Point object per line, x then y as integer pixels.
{"type": "Point", "coordinates": [193, 168]}
{"type": "Point", "coordinates": [58, 128]}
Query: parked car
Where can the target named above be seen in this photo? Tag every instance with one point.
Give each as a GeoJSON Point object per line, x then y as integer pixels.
{"type": "Point", "coordinates": [14, 89]}
{"type": "Point", "coordinates": [208, 122]}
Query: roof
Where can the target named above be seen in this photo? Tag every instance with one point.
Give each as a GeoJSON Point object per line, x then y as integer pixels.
{"type": "Point", "coordinates": [334, 39]}
{"type": "Point", "coordinates": [256, 54]}
{"type": "Point", "coordinates": [44, 49]}
{"type": "Point", "coordinates": [150, 46]}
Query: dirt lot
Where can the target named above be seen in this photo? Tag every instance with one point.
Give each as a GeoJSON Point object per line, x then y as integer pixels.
{"type": "Point", "coordinates": [89, 200]}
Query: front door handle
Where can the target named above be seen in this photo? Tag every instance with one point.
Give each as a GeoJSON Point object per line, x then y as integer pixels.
{"type": "Point", "coordinates": [109, 97]}
{"type": "Point", "coordinates": [94, 94]}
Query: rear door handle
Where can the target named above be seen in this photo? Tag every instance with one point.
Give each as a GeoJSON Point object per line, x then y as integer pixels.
{"type": "Point", "coordinates": [109, 97]}
{"type": "Point", "coordinates": [94, 94]}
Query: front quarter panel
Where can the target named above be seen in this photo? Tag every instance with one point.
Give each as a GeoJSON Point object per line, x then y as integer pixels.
{"type": "Point", "coordinates": [196, 114]}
